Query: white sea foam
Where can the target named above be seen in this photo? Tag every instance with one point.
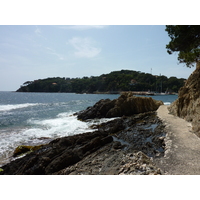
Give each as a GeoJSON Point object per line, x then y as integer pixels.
{"type": "Point", "coordinates": [167, 103]}
{"type": "Point", "coordinates": [64, 124]}
{"type": "Point", "coordinates": [9, 107]}
{"type": "Point", "coordinates": [99, 121]}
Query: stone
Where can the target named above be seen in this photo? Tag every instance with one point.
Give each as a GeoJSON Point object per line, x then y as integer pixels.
{"type": "Point", "coordinates": [187, 106]}
{"type": "Point", "coordinates": [117, 158]}
{"type": "Point", "coordinates": [23, 149]}
{"type": "Point", "coordinates": [58, 154]}
{"type": "Point", "coordinates": [116, 147]}
{"type": "Point", "coordinates": [125, 105]}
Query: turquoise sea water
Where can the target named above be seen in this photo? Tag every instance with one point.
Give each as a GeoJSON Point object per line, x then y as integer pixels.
{"type": "Point", "coordinates": [37, 118]}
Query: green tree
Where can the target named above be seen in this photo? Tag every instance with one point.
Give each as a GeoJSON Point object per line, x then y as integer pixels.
{"type": "Point", "coordinates": [185, 39]}
{"type": "Point", "coordinates": [114, 81]}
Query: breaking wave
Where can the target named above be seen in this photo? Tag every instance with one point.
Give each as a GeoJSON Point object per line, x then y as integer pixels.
{"type": "Point", "coordinates": [9, 107]}
{"type": "Point", "coordinates": [43, 131]}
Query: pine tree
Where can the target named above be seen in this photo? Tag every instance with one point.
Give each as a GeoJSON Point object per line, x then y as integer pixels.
{"type": "Point", "coordinates": [185, 39]}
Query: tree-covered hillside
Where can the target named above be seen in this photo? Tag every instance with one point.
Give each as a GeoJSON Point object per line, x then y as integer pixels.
{"type": "Point", "coordinates": [124, 80]}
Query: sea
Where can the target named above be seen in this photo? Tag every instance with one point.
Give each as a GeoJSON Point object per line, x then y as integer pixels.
{"type": "Point", "coordinates": [38, 118]}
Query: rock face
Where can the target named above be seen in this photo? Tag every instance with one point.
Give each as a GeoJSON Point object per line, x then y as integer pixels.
{"type": "Point", "coordinates": [58, 154]}
{"type": "Point", "coordinates": [126, 104]}
{"type": "Point", "coordinates": [187, 105]}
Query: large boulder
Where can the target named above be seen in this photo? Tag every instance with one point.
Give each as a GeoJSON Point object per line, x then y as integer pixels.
{"type": "Point", "coordinates": [187, 106]}
{"type": "Point", "coordinates": [126, 104]}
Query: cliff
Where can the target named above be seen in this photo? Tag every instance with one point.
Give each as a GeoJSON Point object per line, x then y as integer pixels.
{"type": "Point", "coordinates": [187, 106]}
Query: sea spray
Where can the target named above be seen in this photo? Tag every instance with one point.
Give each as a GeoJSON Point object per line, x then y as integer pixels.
{"type": "Point", "coordinates": [42, 132]}
{"type": "Point", "coordinates": [9, 107]}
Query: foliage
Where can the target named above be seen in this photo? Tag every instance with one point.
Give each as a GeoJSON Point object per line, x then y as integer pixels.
{"type": "Point", "coordinates": [124, 80]}
{"type": "Point", "coordinates": [185, 39]}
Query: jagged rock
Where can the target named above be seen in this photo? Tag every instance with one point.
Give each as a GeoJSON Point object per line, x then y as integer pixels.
{"type": "Point", "coordinates": [113, 149]}
{"type": "Point", "coordinates": [99, 110]}
{"type": "Point", "coordinates": [105, 151]}
{"type": "Point", "coordinates": [126, 104]}
{"type": "Point", "coordinates": [187, 106]}
{"type": "Point", "coordinates": [58, 154]}
{"type": "Point", "coordinates": [111, 161]}
{"type": "Point", "coordinates": [138, 164]}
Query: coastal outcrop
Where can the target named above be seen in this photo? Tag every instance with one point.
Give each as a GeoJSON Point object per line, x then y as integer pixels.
{"type": "Point", "coordinates": [125, 105]}
{"type": "Point", "coordinates": [58, 154]}
{"type": "Point", "coordinates": [136, 141]}
{"type": "Point", "coordinates": [187, 106]}
{"type": "Point", "coordinates": [109, 161]}
{"type": "Point", "coordinates": [124, 145]}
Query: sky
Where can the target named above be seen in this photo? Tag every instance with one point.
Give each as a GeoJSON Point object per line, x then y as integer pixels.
{"type": "Point", "coordinates": [31, 52]}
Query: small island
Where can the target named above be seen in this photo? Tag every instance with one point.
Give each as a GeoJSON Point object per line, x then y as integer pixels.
{"type": "Point", "coordinates": [112, 83]}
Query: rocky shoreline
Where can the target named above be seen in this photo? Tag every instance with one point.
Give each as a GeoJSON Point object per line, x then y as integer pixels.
{"type": "Point", "coordinates": [137, 140]}
{"type": "Point", "coordinates": [126, 145]}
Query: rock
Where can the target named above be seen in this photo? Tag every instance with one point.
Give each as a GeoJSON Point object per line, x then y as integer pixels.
{"type": "Point", "coordinates": [126, 104]}
{"type": "Point", "coordinates": [125, 145]}
{"type": "Point", "coordinates": [113, 126]}
{"type": "Point", "coordinates": [99, 110]}
{"type": "Point", "coordinates": [117, 145]}
{"type": "Point", "coordinates": [138, 164]}
{"type": "Point", "coordinates": [58, 154]}
{"type": "Point", "coordinates": [142, 132]}
{"type": "Point", "coordinates": [187, 106]}
{"type": "Point", "coordinates": [22, 149]}
{"type": "Point", "coordinates": [110, 161]}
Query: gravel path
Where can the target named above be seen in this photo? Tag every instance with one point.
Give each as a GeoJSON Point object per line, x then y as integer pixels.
{"type": "Point", "coordinates": [182, 154]}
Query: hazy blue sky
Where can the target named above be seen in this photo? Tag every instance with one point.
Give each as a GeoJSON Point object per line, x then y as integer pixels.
{"type": "Point", "coordinates": [30, 52]}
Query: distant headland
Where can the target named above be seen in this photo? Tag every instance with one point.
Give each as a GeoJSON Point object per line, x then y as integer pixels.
{"type": "Point", "coordinates": [112, 83]}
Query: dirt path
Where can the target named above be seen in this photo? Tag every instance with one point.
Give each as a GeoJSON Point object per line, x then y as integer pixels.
{"type": "Point", "coordinates": [182, 154]}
